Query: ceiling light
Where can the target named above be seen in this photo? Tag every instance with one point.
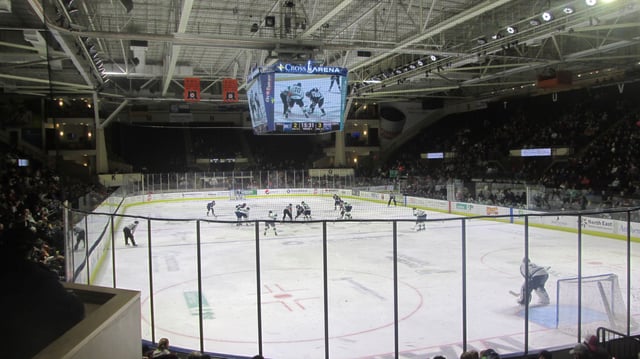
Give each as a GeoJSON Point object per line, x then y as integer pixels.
{"type": "Point", "coordinates": [482, 41]}
{"type": "Point", "coordinates": [568, 10]}
{"type": "Point", "coordinates": [547, 16]}
{"type": "Point", "coordinates": [420, 63]}
{"type": "Point", "coordinates": [433, 58]}
{"type": "Point", "coordinates": [497, 36]}
{"type": "Point", "coordinates": [512, 30]}
{"type": "Point", "coordinates": [534, 22]}
{"type": "Point", "coordinates": [590, 2]}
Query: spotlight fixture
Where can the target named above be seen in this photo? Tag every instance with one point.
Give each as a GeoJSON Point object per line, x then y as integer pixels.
{"type": "Point", "coordinates": [547, 16]}
{"type": "Point", "coordinates": [433, 58]}
{"type": "Point", "coordinates": [254, 27]}
{"type": "Point", "coordinates": [534, 22]}
{"type": "Point", "coordinates": [512, 30]}
{"type": "Point", "coordinates": [420, 63]}
{"type": "Point", "coordinates": [482, 41]}
{"type": "Point", "coordinates": [270, 21]}
{"type": "Point", "coordinates": [496, 36]}
{"type": "Point", "coordinates": [568, 10]}
{"type": "Point", "coordinates": [590, 2]}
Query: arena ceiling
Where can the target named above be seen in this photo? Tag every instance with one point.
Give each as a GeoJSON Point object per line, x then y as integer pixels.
{"type": "Point", "coordinates": [466, 50]}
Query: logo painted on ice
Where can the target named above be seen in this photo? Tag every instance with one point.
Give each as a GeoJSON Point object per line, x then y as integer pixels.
{"type": "Point", "coordinates": [266, 191]}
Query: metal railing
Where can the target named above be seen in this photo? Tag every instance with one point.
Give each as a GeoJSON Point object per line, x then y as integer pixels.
{"type": "Point", "coordinates": [100, 262]}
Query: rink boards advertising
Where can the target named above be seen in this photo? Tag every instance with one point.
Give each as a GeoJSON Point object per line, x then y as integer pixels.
{"type": "Point", "coordinates": [297, 98]}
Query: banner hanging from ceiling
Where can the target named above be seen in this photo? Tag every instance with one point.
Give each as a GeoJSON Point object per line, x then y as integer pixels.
{"type": "Point", "coordinates": [229, 90]}
{"type": "Point", "coordinates": [192, 89]}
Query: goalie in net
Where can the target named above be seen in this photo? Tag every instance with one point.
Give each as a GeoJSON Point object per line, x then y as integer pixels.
{"type": "Point", "coordinates": [535, 278]}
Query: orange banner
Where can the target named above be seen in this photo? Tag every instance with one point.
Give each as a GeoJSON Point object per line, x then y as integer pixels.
{"type": "Point", "coordinates": [192, 89]}
{"type": "Point", "coordinates": [229, 90]}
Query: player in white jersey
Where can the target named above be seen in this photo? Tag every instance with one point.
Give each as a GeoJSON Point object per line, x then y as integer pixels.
{"type": "Point", "coordinates": [271, 223]}
{"type": "Point", "coordinates": [294, 96]}
{"type": "Point", "coordinates": [536, 279]}
{"type": "Point", "coordinates": [345, 210]}
{"type": "Point", "coordinates": [307, 210]}
{"type": "Point", "coordinates": [242, 214]}
{"type": "Point", "coordinates": [421, 218]}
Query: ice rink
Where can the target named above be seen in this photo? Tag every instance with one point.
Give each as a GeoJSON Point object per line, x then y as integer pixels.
{"type": "Point", "coordinates": [360, 287]}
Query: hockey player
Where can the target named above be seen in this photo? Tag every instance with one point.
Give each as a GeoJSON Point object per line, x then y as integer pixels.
{"type": "Point", "coordinates": [299, 211]}
{"type": "Point", "coordinates": [392, 198]}
{"type": "Point", "coordinates": [271, 223]}
{"type": "Point", "coordinates": [295, 96]}
{"type": "Point", "coordinates": [242, 214]}
{"type": "Point", "coordinates": [345, 212]}
{"type": "Point", "coordinates": [210, 206]}
{"type": "Point", "coordinates": [317, 99]}
{"type": "Point", "coordinates": [80, 237]}
{"type": "Point", "coordinates": [337, 202]}
{"type": "Point", "coordinates": [128, 233]}
{"type": "Point", "coordinates": [535, 278]}
{"type": "Point", "coordinates": [421, 218]}
{"type": "Point", "coordinates": [287, 212]}
{"type": "Point", "coordinates": [306, 210]}
{"type": "Point", "coordinates": [335, 79]}
{"type": "Point", "coordinates": [284, 97]}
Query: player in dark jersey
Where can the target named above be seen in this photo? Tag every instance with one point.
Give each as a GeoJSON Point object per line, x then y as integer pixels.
{"type": "Point", "coordinates": [287, 212]}
{"type": "Point", "coordinates": [210, 208]}
{"type": "Point", "coordinates": [334, 79]}
{"type": "Point", "coordinates": [284, 97]}
{"type": "Point", "coordinates": [337, 201]}
{"type": "Point", "coordinates": [299, 211]}
{"type": "Point", "coordinates": [317, 99]}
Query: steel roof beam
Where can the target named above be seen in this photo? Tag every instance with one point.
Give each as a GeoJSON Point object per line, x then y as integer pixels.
{"type": "Point", "coordinates": [187, 5]}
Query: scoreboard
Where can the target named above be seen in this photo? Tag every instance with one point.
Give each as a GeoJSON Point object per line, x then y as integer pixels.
{"type": "Point", "coordinates": [297, 99]}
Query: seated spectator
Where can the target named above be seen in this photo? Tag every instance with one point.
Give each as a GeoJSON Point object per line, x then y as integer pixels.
{"type": "Point", "coordinates": [489, 354]}
{"type": "Point", "coordinates": [162, 351]}
{"type": "Point", "coordinates": [596, 351]}
{"type": "Point", "coordinates": [545, 354]}
{"type": "Point", "coordinates": [470, 354]}
{"type": "Point", "coordinates": [580, 351]}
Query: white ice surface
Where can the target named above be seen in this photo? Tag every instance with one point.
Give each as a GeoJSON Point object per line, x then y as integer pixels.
{"type": "Point", "coordinates": [359, 280]}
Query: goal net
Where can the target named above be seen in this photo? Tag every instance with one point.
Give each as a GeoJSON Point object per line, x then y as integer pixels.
{"type": "Point", "coordinates": [601, 304]}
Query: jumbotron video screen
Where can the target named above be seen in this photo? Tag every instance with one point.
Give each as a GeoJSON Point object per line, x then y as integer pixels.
{"type": "Point", "coordinates": [297, 99]}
